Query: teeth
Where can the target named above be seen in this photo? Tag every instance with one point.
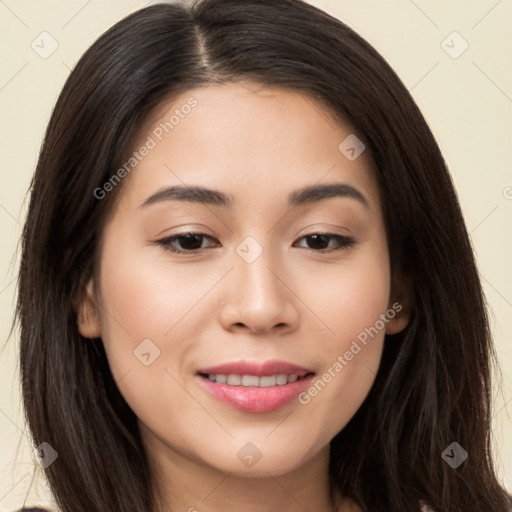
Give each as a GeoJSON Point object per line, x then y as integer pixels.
{"type": "Point", "coordinates": [234, 380]}
{"type": "Point", "coordinates": [255, 381]}
{"type": "Point", "coordinates": [267, 381]}
{"type": "Point", "coordinates": [282, 379]}
{"type": "Point", "coordinates": [221, 379]}
{"type": "Point", "coordinates": [250, 380]}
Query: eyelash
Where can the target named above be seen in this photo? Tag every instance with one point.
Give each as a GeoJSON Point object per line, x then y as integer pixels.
{"type": "Point", "coordinates": [344, 242]}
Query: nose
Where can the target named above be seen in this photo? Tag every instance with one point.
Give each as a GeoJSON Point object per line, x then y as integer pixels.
{"type": "Point", "coordinates": [259, 298]}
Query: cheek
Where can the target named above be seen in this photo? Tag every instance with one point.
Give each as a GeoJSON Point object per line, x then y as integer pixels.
{"type": "Point", "coordinates": [349, 296]}
{"type": "Point", "coordinates": [143, 295]}
{"type": "Point", "coordinates": [149, 318]}
{"type": "Point", "coordinates": [141, 298]}
{"type": "Point", "coordinates": [151, 313]}
{"type": "Point", "coordinates": [349, 303]}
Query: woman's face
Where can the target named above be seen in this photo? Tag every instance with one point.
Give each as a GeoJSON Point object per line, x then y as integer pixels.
{"type": "Point", "coordinates": [253, 347]}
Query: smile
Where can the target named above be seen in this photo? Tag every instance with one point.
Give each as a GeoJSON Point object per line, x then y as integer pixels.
{"type": "Point", "coordinates": [255, 387]}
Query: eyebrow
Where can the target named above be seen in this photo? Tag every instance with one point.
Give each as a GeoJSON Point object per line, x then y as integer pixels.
{"type": "Point", "coordinates": [305, 195]}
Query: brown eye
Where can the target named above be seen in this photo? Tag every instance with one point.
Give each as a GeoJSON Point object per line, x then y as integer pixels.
{"type": "Point", "coordinates": [184, 243]}
{"type": "Point", "coordinates": [320, 242]}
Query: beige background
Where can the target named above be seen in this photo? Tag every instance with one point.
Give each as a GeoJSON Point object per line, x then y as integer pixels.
{"type": "Point", "coordinates": [466, 100]}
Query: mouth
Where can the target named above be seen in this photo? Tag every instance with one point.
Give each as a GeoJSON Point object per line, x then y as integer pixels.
{"type": "Point", "coordinates": [255, 387]}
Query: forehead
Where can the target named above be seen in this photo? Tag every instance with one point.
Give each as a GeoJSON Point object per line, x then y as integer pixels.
{"type": "Point", "coordinates": [252, 141]}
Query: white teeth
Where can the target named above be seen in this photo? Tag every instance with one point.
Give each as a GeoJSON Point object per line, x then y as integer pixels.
{"type": "Point", "coordinates": [255, 381]}
{"type": "Point", "coordinates": [266, 382]}
{"type": "Point", "coordinates": [234, 380]}
{"type": "Point", "coordinates": [250, 380]}
{"type": "Point", "coordinates": [282, 379]}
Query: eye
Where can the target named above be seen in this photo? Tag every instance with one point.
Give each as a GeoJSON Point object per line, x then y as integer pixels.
{"type": "Point", "coordinates": [184, 243]}
{"type": "Point", "coordinates": [192, 242]}
{"type": "Point", "coordinates": [320, 242]}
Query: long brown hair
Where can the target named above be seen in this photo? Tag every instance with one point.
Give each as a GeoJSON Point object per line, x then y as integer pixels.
{"type": "Point", "coordinates": [433, 385]}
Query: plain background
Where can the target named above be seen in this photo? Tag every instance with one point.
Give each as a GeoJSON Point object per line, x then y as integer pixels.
{"type": "Point", "coordinates": [466, 101]}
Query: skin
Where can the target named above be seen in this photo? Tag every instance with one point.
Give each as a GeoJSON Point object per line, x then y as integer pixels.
{"type": "Point", "coordinates": [294, 302]}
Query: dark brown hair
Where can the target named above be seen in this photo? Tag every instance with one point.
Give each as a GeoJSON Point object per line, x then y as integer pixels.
{"type": "Point", "coordinates": [433, 385]}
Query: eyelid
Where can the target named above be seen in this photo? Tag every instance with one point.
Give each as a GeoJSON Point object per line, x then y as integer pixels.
{"type": "Point", "coordinates": [320, 228]}
{"type": "Point", "coordinates": [187, 228]}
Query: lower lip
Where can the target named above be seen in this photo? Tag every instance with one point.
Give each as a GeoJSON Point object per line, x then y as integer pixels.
{"type": "Point", "coordinates": [256, 399]}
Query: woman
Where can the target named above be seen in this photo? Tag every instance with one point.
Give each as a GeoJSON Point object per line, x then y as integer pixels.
{"type": "Point", "coordinates": [246, 282]}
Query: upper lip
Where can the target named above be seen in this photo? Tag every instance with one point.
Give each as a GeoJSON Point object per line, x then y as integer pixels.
{"type": "Point", "coordinates": [267, 368]}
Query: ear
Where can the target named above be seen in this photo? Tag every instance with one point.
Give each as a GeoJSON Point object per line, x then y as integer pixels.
{"type": "Point", "coordinates": [87, 312]}
{"type": "Point", "coordinates": [401, 302]}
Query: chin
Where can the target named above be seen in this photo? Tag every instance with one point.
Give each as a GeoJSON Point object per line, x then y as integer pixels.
{"type": "Point", "coordinates": [258, 459]}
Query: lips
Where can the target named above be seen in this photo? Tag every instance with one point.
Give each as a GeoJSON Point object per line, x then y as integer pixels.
{"type": "Point", "coordinates": [255, 387]}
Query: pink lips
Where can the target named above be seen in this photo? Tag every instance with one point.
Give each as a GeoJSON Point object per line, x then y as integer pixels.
{"type": "Point", "coordinates": [254, 398]}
